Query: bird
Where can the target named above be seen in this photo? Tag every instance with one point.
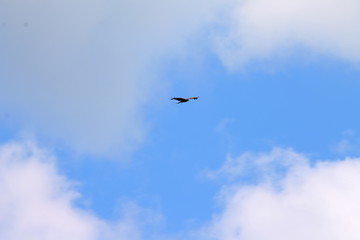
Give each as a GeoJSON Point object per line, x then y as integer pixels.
{"type": "Point", "coordinates": [182, 100]}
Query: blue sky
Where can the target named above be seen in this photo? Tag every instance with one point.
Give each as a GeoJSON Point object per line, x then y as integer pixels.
{"type": "Point", "coordinates": [92, 147]}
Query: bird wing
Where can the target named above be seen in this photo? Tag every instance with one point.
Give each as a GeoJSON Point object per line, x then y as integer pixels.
{"type": "Point", "coordinates": [179, 99]}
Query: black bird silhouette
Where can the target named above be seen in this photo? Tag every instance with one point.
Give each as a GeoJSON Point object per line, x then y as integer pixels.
{"type": "Point", "coordinates": [182, 100]}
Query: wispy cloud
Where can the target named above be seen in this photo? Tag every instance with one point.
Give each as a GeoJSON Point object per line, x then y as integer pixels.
{"type": "Point", "coordinates": [258, 165]}
{"type": "Point", "coordinates": [348, 144]}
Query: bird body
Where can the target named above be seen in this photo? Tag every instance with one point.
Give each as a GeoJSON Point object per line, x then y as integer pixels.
{"type": "Point", "coordinates": [182, 100]}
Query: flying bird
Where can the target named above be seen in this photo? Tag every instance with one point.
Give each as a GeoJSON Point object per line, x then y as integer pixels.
{"type": "Point", "coordinates": [182, 100]}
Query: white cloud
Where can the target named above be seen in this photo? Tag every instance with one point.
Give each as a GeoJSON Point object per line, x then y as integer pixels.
{"type": "Point", "coordinates": [84, 71]}
{"type": "Point", "coordinates": [310, 201]}
{"type": "Point", "coordinates": [292, 199]}
{"type": "Point", "coordinates": [38, 203]}
{"type": "Point", "coordinates": [261, 29]}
